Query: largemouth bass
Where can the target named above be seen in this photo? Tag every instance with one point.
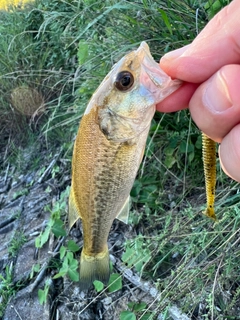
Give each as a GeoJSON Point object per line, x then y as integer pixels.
{"type": "Point", "coordinates": [108, 150]}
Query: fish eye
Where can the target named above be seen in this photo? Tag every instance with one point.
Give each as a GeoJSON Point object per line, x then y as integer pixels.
{"type": "Point", "coordinates": [124, 80]}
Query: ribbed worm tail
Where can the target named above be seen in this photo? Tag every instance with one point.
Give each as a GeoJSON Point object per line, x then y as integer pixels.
{"type": "Point", "coordinates": [209, 165]}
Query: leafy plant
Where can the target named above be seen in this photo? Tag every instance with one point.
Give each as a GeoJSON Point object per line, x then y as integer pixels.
{"type": "Point", "coordinates": [20, 193]}
{"type": "Point", "coordinates": [6, 288]}
{"type": "Point", "coordinates": [135, 312]}
{"type": "Point", "coordinates": [98, 285]}
{"type": "Point", "coordinates": [43, 293]}
{"type": "Point", "coordinates": [16, 243]}
{"type": "Point", "coordinates": [127, 315]}
{"type": "Point", "coordinates": [69, 264]}
{"type": "Point", "coordinates": [137, 253]}
{"type": "Point", "coordinates": [35, 269]}
{"type": "Point", "coordinates": [55, 225]}
{"type": "Point", "coordinates": [114, 283]}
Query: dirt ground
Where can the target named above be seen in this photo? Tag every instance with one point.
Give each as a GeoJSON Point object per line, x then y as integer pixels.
{"type": "Point", "coordinates": [23, 198]}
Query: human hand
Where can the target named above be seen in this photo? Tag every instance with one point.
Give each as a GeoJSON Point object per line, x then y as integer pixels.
{"type": "Point", "coordinates": [210, 69]}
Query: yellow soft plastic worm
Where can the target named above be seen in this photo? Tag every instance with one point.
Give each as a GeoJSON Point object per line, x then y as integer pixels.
{"type": "Point", "coordinates": [209, 165]}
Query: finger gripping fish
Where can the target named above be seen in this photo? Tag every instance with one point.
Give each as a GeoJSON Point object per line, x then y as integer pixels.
{"type": "Point", "coordinates": [108, 151]}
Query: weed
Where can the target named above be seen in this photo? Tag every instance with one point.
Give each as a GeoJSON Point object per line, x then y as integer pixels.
{"type": "Point", "coordinates": [135, 311]}
{"type": "Point", "coordinates": [69, 265]}
{"type": "Point", "coordinates": [16, 243]}
{"type": "Point", "coordinates": [137, 253]}
{"type": "Point", "coordinates": [55, 225]}
{"type": "Point", "coordinates": [20, 193]}
{"type": "Point", "coordinates": [35, 268]}
{"type": "Point", "coordinates": [43, 293]}
{"type": "Point", "coordinates": [6, 288]}
{"type": "Point", "coordinates": [98, 285]}
{"type": "Point", "coordinates": [114, 283]}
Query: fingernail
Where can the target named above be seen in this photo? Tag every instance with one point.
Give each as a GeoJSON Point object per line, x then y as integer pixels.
{"type": "Point", "coordinates": [216, 96]}
{"type": "Point", "coordinates": [175, 53]}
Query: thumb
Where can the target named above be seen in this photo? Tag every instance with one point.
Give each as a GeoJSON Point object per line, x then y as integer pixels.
{"type": "Point", "coordinates": [229, 152]}
{"type": "Point", "coordinates": [215, 104]}
{"type": "Point", "coordinates": [217, 45]}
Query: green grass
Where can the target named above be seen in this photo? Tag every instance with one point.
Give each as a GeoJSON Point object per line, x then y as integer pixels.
{"type": "Point", "coordinates": [16, 243]}
{"type": "Point", "coordinates": [64, 49]}
{"type": "Point", "coordinates": [192, 259]}
{"type": "Point", "coordinates": [6, 288]}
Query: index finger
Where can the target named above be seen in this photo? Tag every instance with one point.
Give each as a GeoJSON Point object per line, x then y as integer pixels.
{"type": "Point", "coordinates": [179, 99]}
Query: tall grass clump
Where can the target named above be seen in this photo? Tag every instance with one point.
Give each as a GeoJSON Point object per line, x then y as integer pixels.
{"type": "Point", "coordinates": [11, 4]}
{"type": "Point", "coordinates": [63, 49]}
{"type": "Point", "coordinates": [88, 37]}
{"type": "Point", "coordinates": [23, 93]}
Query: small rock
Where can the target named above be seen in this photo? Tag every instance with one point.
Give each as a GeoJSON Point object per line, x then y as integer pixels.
{"type": "Point", "coordinates": [172, 204]}
{"type": "Point", "coordinates": [153, 292]}
{"type": "Point", "coordinates": [118, 243]}
{"type": "Point", "coordinates": [175, 255]}
{"type": "Point", "coordinates": [113, 259]}
{"type": "Point", "coordinates": [107, 301]}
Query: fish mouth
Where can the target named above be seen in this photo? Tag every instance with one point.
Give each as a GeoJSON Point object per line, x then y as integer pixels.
{"type": "Point", "coordinates": [143, 49]}
{"type": "Point", "coordinates": [158, 83]}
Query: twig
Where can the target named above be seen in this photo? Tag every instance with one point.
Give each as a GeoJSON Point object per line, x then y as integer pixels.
{"type": "Point", "coordinates": [145, 286]}
{"type": "Point", "coordinates": [12, 306]}
{"type": "Point", "coordinates": [214, 286]}
{"type": "Point", "coordinates": [50, 166]}
{"type": "Point", "coordinates": [148, 288]}
{"type": "Point", "coordinates": [6, 175]}
{"type": "Point", "coordinates": [7, 221]}
{"type": "Point", "coordinates": [43, 270]}
{"type": "Point", "coordinates": [39, 278]}
{"type": "Point", "coordinates": [13, 217]}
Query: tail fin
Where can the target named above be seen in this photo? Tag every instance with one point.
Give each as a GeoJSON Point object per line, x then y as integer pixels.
{"type": "Point", "coordinates": [210, 213]}
{"type": "Point", "coordinates": [94, 268]}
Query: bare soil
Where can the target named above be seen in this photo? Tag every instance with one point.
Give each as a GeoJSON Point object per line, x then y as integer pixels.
{"type": "Point", "coordinates": [23, 198]}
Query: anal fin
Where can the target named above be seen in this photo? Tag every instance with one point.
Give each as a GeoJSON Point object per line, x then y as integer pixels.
{"type": "Point", "coordinates": [73, 214]}
{"type": "Point", "coordinates": [124, 212]}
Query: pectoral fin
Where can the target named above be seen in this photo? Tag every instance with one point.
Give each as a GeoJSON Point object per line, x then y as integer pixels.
{"type": "Point", "coordinates": [73, 214]}
{"type": "Point", "coordinates": [124, 212]}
